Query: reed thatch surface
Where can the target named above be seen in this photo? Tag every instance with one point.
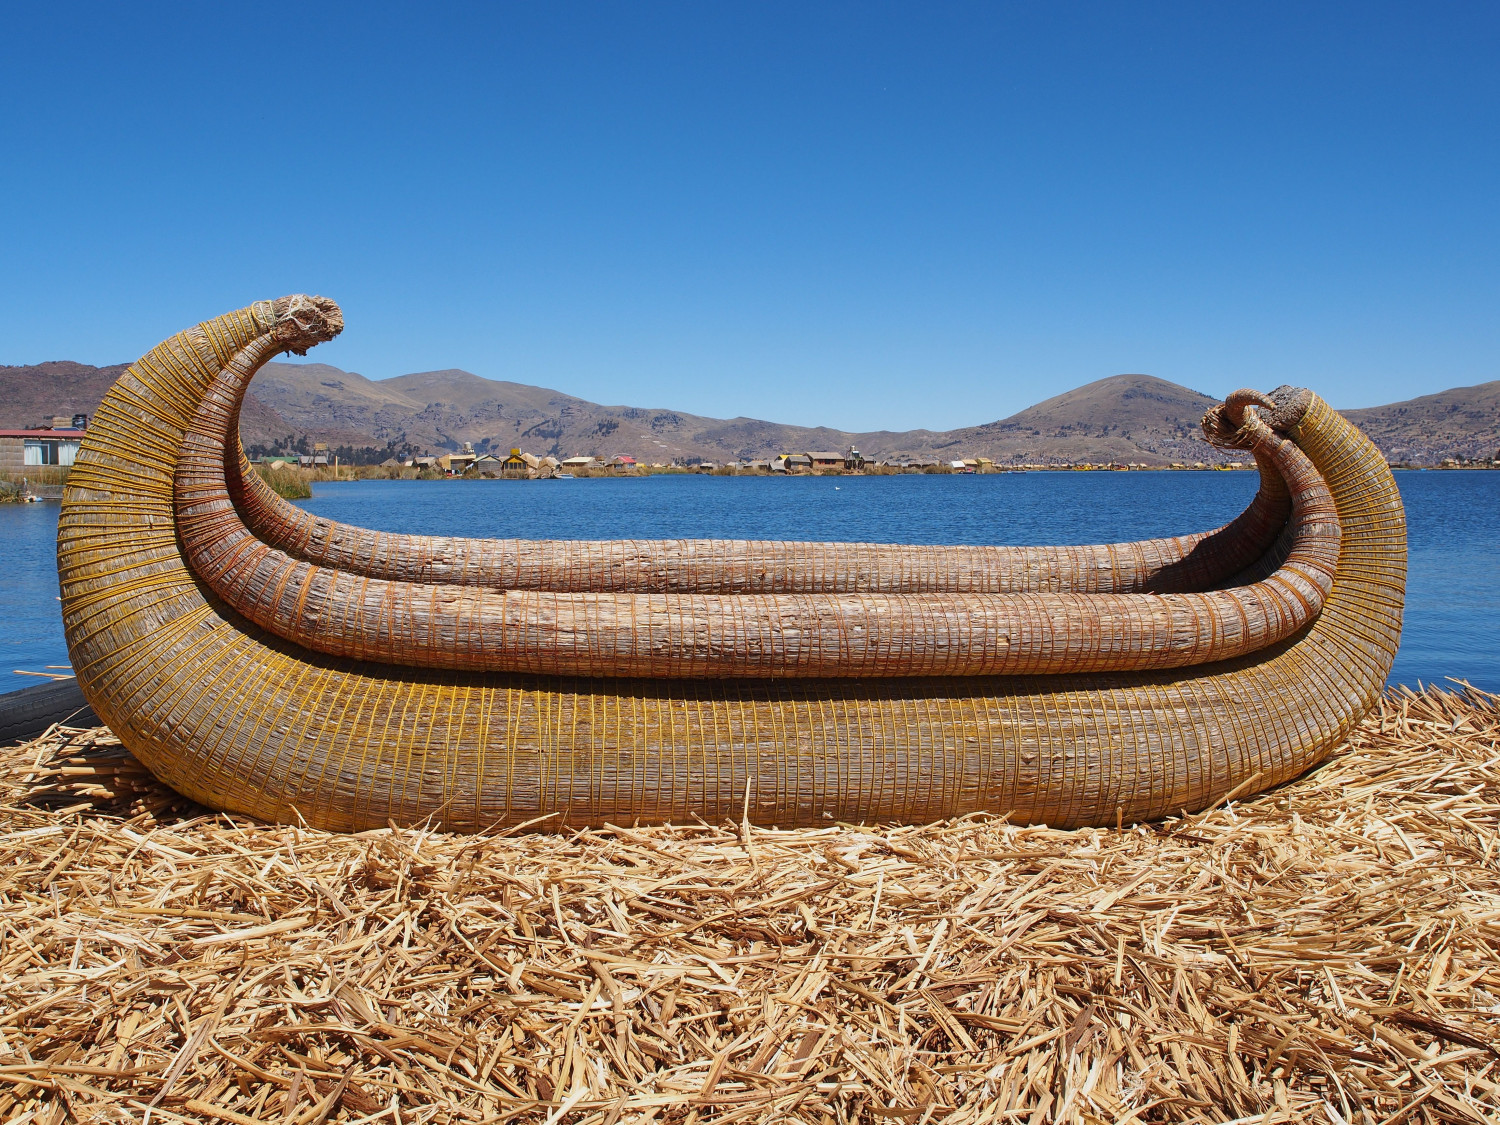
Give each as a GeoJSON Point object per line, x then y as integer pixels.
{"type": "Point", "coordinates": [1329, 951]}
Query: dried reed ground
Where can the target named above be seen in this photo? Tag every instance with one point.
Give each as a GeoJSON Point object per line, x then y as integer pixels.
{"type": "Point", "coordinates": [1323, 953]}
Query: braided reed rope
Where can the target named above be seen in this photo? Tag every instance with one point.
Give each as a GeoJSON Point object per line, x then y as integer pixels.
{"type": "Point", "coordinates": [244, 720]}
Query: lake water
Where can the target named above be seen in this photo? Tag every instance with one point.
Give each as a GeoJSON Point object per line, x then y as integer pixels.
{"type": "Point", "coordinates": [1453, 591]}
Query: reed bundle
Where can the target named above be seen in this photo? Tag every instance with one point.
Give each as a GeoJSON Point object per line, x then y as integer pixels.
{"type": "Point", "coordinates": [1329, 951]}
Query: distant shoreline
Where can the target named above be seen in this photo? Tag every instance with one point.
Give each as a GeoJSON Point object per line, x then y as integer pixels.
{"type": "Point", "coordinates": [15, 491]}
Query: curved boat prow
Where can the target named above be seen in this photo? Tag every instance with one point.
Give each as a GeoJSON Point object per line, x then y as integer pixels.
{"type": "Point", "coordinates": [264, 661]}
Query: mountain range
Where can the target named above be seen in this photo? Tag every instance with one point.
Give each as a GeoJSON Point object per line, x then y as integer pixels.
{"type": "Point", "coordinates": [1124, 418]}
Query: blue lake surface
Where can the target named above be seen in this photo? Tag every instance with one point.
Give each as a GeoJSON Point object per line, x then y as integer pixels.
{"type": "Point", "coordinates": [1453, 590]}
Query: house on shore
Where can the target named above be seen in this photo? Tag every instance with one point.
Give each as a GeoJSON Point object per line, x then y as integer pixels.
{"type": "Point", "coordinates": [822, 461]}
{"type": "Point", "coordinates": [455, 464]}
{"type": "Point", "coordinates": [28, 449]}
{"type": "Point", "coordinates": [517, 465]}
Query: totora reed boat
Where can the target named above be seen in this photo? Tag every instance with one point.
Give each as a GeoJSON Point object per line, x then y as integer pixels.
{"type": "Point", "coordinates": [264, 661]}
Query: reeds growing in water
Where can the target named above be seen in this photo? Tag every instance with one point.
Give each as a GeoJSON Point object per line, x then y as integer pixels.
{"type": "Point", "coordinates": [288, 483]}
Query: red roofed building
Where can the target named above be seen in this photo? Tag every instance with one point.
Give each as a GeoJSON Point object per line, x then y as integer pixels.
{"type": "Point", "coordinates": [33, 449]}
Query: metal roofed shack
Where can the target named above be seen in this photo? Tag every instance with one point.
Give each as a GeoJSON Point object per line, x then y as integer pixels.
{"type": "Point", "coordinates": [34, 448]}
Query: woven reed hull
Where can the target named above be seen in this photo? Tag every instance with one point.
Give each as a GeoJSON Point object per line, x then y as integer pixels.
{"type": "Point", "coordinates": [243, 721]}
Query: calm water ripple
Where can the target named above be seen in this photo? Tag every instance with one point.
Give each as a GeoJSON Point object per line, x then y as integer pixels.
{"type": "Point", "coordinates": [1453, 591]}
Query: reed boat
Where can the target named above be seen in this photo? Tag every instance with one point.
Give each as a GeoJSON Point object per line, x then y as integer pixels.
{"type": "Point", "coordinates": [262, 660]}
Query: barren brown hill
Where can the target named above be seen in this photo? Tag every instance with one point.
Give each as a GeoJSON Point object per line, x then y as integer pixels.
{"type": "Point", "coordinates": [1461, 422]}
{"type": "Point", "coordinates": [441, 409]}
{"type": "Point", "coordinates": [1124, 418]}
{"type": "Point", "coordinates": [31, 394]}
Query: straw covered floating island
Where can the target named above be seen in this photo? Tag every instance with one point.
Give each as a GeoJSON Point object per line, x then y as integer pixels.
{"type": "Point", "coordinates": [264, 661]}
{"type": "Point", "coordinates": [1326, 952]}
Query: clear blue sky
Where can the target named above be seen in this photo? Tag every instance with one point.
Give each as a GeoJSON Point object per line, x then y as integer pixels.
{"type": "Point", "coordinates": [862, 215]}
